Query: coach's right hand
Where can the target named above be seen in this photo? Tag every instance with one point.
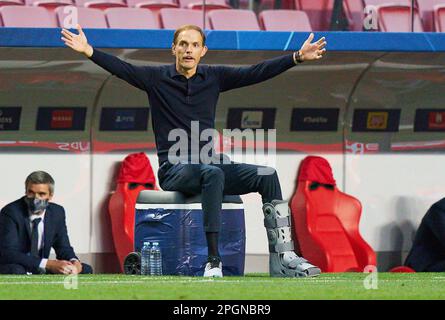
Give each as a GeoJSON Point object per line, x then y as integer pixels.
{"type": "Point", "coordinates": [77, 42]}
{"type": "Point", "coordinates": [59, 266]}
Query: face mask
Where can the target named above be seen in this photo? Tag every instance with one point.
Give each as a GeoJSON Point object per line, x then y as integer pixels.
{"type": "Point", "coordinates": [36, 205]}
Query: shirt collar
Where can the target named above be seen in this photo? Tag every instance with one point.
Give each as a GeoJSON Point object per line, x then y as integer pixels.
{"type": "Point", "coordinates": [32, 217]}
{"type": "Point", "coordinates": [174, 73]}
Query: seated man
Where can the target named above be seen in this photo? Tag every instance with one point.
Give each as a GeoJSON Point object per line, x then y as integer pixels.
{"type": "Point", "coordinates": [428, 251]}
{"type": "Point", "coordinates": [183, 97]}
{"type": "Point", "coordinates": [30, 226]}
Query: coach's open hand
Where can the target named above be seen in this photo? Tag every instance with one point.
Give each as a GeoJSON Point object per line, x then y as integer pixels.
{"type": "Point", "coordinates": [312, 51]}
{"type": "Point", "coordinates": [77, 42]}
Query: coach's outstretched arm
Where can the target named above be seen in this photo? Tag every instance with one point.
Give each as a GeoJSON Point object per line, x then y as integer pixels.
{"type": "Point", "coordinates": [140, 77]}
{"type": "Point", "coordinates": [231, 78]}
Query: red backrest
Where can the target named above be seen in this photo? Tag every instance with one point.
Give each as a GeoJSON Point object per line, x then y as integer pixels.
{"type": "Point", "coordinates": [326, 221]}
{"type": "Point", "coordinates": [48, 3]}
{"type": "Point", "coordinates": [233, 19]}
{"type": "Point", "coordinates": [134, 3]}
{"type": "Point", "coordinates": [11, 3]}
{"type": "Point", "coordinates": [354, 10]}
{"type": "Point", "coordinates": [318, 11]}
{"type": "Point", "coordinates": [131, 18]}
{"type": "Point", "coordinates": [439, 18]}
{"type": "Point", "coordinates": [397, 18]}
{"type": "Point", "coordinates": [426, 10]}
{"type": "Point", "coordinates": [384, 2]}
{"type": "Point", "coordinates": [87, 17]}
{"type": "Point", "coordinates": [83, 3]}
{"type": "Point", "coordinates": [188, 4]}
{"type": "Point", "coordinates": [135, 175]}
{"type": "Point", "coordinates": [284, 20]}
{"type": "Point", "coordinates": [27, 17]}
{"type": "Point", "coordinates": [175, 18]}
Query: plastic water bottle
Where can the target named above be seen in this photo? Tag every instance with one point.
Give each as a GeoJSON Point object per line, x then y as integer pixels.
{"type": "Point", "coordinates": [145, 259]}
{"type": "Point", "coordinates": [155, 260]}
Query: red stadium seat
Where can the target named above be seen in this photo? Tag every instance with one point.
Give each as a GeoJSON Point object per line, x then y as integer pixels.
{"type": "Point", "coordinates": [354, 11]}
{"type": "Point", "coordinates": [318, 11]}
{"type": "Point", "coordinates": [49, 4]}
{"type": "Point", "coordinates": [11, 3]}
{"type": "Point", "coordinates": [326, 221]}
{"type": "Point", "coordinates": [131, 18]}
{"type": "Point", "coordinates": [198, 5]}
{"type": "Point", "coordinates": [101, 4]}
{"type": "Point", "coordinates": [233, 19]}
{"type": "Point", "coordinates": [397, 18]}
{"type": "Point", "coordinates": [426, 10]}
{"type": "Point", "coordinates": [27, 17]}
{"type": "Point", "coordinates": [174, 18]}
{"type": "Point", "coordinates": [439, 18]}
{"type": "Point", "coordinates": [135, 175]}
{"type": "Point", "coordinates": [284, 20]}
{"type": "Point", "coordinates": [148, 3]}
{"type": "Point", "coordinates": [154, 6]}
{"type": "Point", "coordinates": [87, 17]}
{"type": "Point", "coordinates": [402, 269]}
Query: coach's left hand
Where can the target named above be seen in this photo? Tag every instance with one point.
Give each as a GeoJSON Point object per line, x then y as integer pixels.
{"type": "Point", "coordinates": [312, 51]}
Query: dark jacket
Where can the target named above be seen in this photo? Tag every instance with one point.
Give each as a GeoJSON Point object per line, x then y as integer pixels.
{"type": "Point", "coordinates": [429, 243]}
{"type": "Point", "coordinates": [15, 235]}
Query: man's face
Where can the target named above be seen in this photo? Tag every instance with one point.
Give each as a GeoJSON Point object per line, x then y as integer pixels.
{"type": "Point", "coordinates": [188, 49]}
{"type": "Point", "coordinates": [39, 191]}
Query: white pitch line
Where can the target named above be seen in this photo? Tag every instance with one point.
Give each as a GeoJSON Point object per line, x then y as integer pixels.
{"type": "Point", "coordinates": [163, 281]}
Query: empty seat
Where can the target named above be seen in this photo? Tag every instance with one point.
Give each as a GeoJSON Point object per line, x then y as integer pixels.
{"type": "Point", "coordinates": [101, 4]}
{"type": "Point", "coordinates": [439, 18]}
{"type": "Point", "coordinates": [327, 221]}
{"type": "Point", "coordinates": [175, 18]}
{"type": "Point", "coordinates": [154, 6]}
{"type": "Point", "coordinates": [354, 11]}
{"type": "Point", "coordinates": [385, 2]}
{"type": "Point", "coordinates": [27, 17]}
{"type": "Point", "coordinates": [11, 3]}
{"type": "Point", "coordinates": [198, 4]}
{"type": "Point", "coordinates": [284, 20]}
{"type": "Point", "coordinates": [131, 18]}
{"type": "Point", "coordinates": [397, 18]}
{"type": "Point", "coordinates": [318, 11]}
{"type": "Point", "coordinates": [49, 4]}
{"type": "Point", "coordinates": [86, 17]}
{"type": "Point", "coordinates": [233, 19]}
{"type": "Point", "coordinates": [135, 175]}
{"type": "Point", "coordinates": [426, 11]}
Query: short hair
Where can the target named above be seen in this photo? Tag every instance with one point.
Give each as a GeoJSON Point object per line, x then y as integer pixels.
{"type": "Point", "coordinates": [189, 27]}
{"type": "Point", "coordinates": [40, 177]}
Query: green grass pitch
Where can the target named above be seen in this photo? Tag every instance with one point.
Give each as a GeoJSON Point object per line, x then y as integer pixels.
{"type": "Point", "coordinates": [348, 286]}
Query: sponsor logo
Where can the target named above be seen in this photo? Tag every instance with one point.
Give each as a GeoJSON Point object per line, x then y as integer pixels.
{"type": "Point", "coordinates": [317, 120]}
{"type": "Point", "coordinates": [377, 120]}
{"type": "Point", "coordinates": [62, 119]}
{"type": "Point", "coordinates": [252, 119]}
{"type": "Point", "coordinates": [436, 120]}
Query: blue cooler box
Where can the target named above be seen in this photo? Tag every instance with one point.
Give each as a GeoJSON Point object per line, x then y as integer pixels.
{"type": "Point", "coordinates": [176, 222]}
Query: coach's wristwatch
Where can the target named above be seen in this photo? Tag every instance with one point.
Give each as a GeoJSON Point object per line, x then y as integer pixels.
{"type": "Point", "coordinates": [297, 57]}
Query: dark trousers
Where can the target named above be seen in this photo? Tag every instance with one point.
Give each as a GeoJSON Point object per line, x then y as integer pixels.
{"type": "Point", "coordinates": [19, 269]}
{"type": "Point", "coordinates": [213, 181]}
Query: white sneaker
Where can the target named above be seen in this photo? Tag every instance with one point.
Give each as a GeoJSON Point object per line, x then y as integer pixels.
{"type": "Point", "coordinates": [213, 268]}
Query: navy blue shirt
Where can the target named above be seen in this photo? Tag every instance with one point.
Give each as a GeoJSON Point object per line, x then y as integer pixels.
{"type": "Point", "coordinates": [176, 101]}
